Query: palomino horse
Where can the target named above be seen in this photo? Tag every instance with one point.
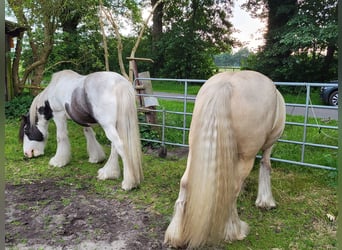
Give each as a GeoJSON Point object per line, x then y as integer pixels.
{"type": "Point", "coordinates": [105, 98]}
{"type": "Point", "coordinates": [235, 116]}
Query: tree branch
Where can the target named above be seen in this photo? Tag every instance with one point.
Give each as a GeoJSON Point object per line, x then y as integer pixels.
{"type": "Point", "coordinates": [141, 33]}
{"type": "Point", "coordinates": [105, 47]}
{"type": "Point", "coordinates": [118, 36]}
{"type": "Point", "coordinates": [110, 18]}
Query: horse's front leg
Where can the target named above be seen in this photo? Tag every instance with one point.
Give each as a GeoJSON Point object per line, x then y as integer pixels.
{"type": "Point", "coordinates": [94, 149]}
{"type": "Point", "coordinates": [63, 154]}
{"type": "Point", "coordinates": [265, 198]}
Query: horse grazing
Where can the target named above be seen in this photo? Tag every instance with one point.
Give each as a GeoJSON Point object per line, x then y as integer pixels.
{"type": "Point", "coordinates": [235, 115]}
{"type": "Point", "coordinates": [106, 98]}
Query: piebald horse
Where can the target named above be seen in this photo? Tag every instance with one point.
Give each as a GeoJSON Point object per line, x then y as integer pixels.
{"type": "Point", "coordinates": [236, 114]}
{"type": "Point", "coordinates": [106, 98]}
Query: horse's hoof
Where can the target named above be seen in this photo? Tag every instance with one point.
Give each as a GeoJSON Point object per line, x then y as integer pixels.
{"type": "Point", "coordinates": [102, 174]}
{"type": "Point", "coordinates": [125, 186]}
{"type": "Point", "coordinates": [97, 159]}
{"type": "Point", "coordinates": [93, 160]}
{"type": "Point", "coordinates": [237, 231]}
{"type": "Point", "coordinates": [57, 163]}
{"type": "Point", "coordinates": [265, 204]}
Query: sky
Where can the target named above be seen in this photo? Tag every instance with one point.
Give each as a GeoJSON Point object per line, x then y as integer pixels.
{"type": "Point", "coordinates": [251, 29]}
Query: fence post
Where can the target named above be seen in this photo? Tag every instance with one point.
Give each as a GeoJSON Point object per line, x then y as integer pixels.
{"type": "Point", "coordinates": [184, 108]}
{"type": "Point", "coordinates": [305, 120]}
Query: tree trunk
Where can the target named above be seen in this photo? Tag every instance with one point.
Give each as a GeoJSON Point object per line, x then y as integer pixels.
{"type": "Point", "coordinates": [279, 13]}
{"type": "Point", "coordinates": [37, 77]}
{"type": "Point", "coordinates": [15, 65]}
{"type": "Point", "coordinates": [41, 48]}
{"type": "Point", "coordinates": [330, 55]}
{"type": "Point", "coordinates": [157, 27]}
{"type": "Point", "coordinates": [104, 39]}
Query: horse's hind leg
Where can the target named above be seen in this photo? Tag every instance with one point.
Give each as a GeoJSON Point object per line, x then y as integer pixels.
{"type": "Point", "coordinates": [237, 229]}
{"type": "Point", "coordinates": [94, 148]}
{"type": "Point", "coordinates": [174, 233]}
{"type": "Point", "coordinates": [111, 169]}
{"type": "Point", "coordinates": [118, 148]}
{"type": "Point", "coordinates": [265, 198]}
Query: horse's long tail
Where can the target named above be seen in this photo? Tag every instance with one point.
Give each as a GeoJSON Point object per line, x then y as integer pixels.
{"type": "Point", "coordinates": [209, 178]}
{"type": "Point", "coordinates": [128, 129]}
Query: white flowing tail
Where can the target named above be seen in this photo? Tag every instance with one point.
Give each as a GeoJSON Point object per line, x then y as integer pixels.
{"type": "Point", "coordinates": [128, 129]}
{"type": "Point", "coordinates": [208, 189]}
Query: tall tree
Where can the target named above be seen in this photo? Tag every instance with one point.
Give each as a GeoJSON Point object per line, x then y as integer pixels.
{"type": "Point", "coordinates": [301, 39]}
{"type": "Point", "coordinates": [312, 36]}
{"type": "Point", "coordinates": [274, 54]}
{"type": "Point", "coordinates": [194, 30]}
{"type": "Point", "coordinates": [41, 20]}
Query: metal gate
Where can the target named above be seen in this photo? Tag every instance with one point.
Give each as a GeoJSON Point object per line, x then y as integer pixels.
{"type": "Point", "coordinates": [307, 120]}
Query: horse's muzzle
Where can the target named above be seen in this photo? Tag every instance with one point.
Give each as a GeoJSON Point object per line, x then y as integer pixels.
{"type": "Point", "coordinates": [32, 153]}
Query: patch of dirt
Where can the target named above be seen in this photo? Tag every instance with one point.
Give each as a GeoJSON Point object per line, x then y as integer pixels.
{"type": "Point", "coordinates": [47, 216]}
{"type": "Point", "coordinates": [170, 153]}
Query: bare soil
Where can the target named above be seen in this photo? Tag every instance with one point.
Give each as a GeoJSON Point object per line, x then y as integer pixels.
{"type": "Point", "coordinates": [48, 216]}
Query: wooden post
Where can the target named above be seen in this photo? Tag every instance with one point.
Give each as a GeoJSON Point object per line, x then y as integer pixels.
{"type": "Point", "coordinates": [149, 111]}
{"type": "Point", "coordinates": [150, 103]}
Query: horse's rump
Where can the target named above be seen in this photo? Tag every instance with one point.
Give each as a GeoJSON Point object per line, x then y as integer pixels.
{"type": "Point", "coordinates": [235, 115]}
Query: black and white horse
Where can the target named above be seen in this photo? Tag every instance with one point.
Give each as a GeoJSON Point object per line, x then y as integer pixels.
{"type": "Point", "coordinates": [106, 98]}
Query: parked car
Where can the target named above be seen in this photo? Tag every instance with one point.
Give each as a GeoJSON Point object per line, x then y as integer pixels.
{"type": "Point", "coordinates": [329, 95]}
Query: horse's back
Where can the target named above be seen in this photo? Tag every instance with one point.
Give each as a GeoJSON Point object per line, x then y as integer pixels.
{"type": "Point", "coordinates": [249, 87]}
{"type": "Point", "coordinates": [105, 80]}
{"type": "Point", "coordinates": [65, 78]}
{"type": "Point", "coordinates": [104, 87]}
{"type": "Point", "coordinates": [256, 105]}
{"type": "Point", "coordinates": [251, 92]}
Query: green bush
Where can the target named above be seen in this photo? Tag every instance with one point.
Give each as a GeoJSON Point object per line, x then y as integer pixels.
{"type": "Point", "coordinates": [148, 132]}
{"type": "Point", "coordinates": [18, 106]}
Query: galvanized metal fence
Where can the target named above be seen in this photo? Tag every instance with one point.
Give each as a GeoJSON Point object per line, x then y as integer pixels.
{"type": "Point", "coordinates": [309, 123]}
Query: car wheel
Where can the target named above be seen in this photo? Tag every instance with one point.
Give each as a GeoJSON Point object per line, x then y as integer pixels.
{"type": "Point", "coordinates": [333, 98]}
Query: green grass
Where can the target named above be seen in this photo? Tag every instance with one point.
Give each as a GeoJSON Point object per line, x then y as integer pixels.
{"type": "Point", "coordinates": [319, 156]}
{"type": "Point", "coordinates": [305, 196]}
{"type": "Point", "coordinates": [297, 96]}
{"type": "Point", "coordinates": [314, 155]}
{"type": "Point", "coordinates": [175, 87]}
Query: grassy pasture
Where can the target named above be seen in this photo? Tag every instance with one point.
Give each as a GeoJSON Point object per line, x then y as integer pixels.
{"type": "Point", "coordinates": [327, 157]}
{"type": "Point", "coordinates": [305, 196]}
{"type": "Point", "coordinates": [178, 87]}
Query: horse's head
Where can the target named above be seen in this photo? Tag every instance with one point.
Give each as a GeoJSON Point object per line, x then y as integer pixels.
{"type": "Point", "coordinates": [33, 131]}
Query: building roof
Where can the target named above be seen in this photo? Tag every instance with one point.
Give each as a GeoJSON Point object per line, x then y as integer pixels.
{"type": "Point", "coordinates": [13, 29]}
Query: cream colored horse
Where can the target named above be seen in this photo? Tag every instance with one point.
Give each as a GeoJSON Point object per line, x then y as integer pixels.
{"type": "Point", "coordinates": [235, 116]}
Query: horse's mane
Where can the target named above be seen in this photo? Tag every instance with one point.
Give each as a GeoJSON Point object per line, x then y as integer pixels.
{"type": "Point", "coordinates": [37, 101]}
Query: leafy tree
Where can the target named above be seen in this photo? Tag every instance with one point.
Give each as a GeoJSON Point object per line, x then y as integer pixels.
{"type": "Point", "coordinates": [300, 41]}
{"type": "Point", "coordinates": [233, 60]}
{"type": "Point", "coordinates": [41, 20]}
{"type": "Point", "coordinates": [81, 46]}
{"type": "Point", "coordinates": [312, 35]}
{"type": "Point", "coordinates": [274, 55]}
{"type": "Point", "coordinates": [65, 34]}
{"type": "Point", "coordinates": [78, 44]}
{"type": "Point", "coordinates": [195, 30]}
